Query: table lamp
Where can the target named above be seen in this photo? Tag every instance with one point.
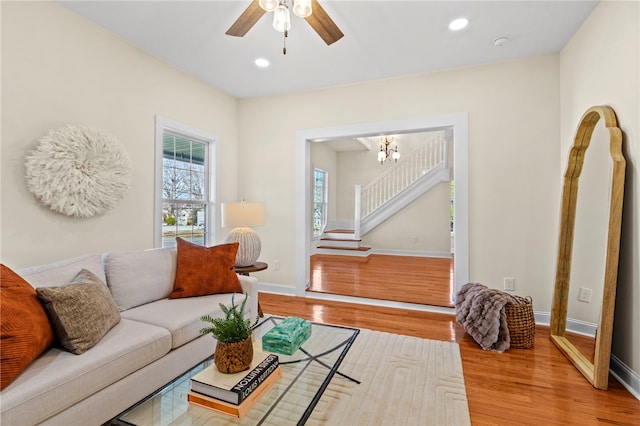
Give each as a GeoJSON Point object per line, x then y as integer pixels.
{"type": "Point", "coordinates": [240, 217]}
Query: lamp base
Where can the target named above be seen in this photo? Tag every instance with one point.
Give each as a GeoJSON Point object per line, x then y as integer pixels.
{"type": "Point", "coordinates": [250, 246]}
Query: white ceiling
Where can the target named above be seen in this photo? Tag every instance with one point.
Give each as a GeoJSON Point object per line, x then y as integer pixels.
{"type": "Point", "coordinates": [382, 39]}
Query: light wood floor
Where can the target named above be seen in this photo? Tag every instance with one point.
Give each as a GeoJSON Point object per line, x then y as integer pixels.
{"type": "Point", "coordinates": [535, 386]}
{"type": "Point", "coordinates": [421, 280]}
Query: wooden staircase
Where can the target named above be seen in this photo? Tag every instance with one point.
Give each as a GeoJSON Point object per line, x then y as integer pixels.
{"type": "Point", "coordinates": [341, 241]}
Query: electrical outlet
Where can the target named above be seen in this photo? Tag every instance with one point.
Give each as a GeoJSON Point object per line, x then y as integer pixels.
{"type": "Point", "coordinates": [276, 265]}
{"type": "Point", "coordinates": [585, 294]}
{"type": "Point", "coordinates": [414, 239]}
{"type": "Point", "coordinates": [509, 283]}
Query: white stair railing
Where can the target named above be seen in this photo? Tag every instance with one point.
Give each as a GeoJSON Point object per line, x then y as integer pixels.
{"type": "Point", "coordinates": [407, 171]}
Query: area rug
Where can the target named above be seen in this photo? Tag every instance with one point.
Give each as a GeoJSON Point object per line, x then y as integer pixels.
{"type": "Point", "coordinates": [404, 381]}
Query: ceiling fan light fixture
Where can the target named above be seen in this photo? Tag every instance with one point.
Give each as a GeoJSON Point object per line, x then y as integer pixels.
{"type": "Point", "coordinates": [268, 5]}
{"type": "Point", "coordinates": [302, 8]}
{"type": "Point", "coordinates": [281, 18]}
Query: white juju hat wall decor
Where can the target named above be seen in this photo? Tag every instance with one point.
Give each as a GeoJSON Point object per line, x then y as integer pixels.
{"type": "Point", "coordinates": [78, 171]}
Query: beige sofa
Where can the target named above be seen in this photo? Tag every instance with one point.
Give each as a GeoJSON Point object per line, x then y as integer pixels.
{"type": "Point", "coordinates": [156, 340]}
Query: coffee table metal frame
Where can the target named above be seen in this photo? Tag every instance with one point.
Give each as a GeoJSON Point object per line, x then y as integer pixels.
{"type": "Point", "coordinates": [302, 359]}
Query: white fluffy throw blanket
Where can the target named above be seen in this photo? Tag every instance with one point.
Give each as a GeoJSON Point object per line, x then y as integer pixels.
{"type": "Point", "coordinates": [480, 311]}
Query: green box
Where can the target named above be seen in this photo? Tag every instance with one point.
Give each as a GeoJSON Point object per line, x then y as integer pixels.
{"type": "Point", "coordinates": [287, 337]}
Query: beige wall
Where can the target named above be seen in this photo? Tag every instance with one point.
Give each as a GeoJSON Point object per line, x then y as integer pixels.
{"type": "Point", "coordinates": [601, 66]}
{"type": "Point", "coordinates": [514, 132]}
{"type": "Point", "coordinates": [423, 226]}
{"type": "Point", "coordinates": [59, 68]}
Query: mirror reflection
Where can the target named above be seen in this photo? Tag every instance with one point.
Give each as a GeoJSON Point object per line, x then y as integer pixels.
{"type": "Point", "coordinates": [590, 244]}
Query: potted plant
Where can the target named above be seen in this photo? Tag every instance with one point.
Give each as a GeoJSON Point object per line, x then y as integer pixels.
{"type": "Point", "coordinates": [234, 349]}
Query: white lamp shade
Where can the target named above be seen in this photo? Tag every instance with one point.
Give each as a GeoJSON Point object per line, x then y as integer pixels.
{"type": "Point", "coordinates": [236, 215]}
{"type": "Point", "coordinates": [302, 8]}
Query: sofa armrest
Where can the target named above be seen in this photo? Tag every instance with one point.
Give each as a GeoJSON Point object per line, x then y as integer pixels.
{"type": "Point", "coordinates": [249, 286]}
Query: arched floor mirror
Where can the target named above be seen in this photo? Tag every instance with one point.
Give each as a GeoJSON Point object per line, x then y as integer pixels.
{"type": "Point", "coordinates": [596, 371]}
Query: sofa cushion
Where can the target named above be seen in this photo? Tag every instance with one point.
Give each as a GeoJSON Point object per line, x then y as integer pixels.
{"type": "Point", "coordinates": [59, 379]}
{"type": "Point", "coordinates": [81, 312]}
{"type": "Point", "coordinates": [140, 277]}
{"type": "Point", "coordinates": [205, 270]}
{"type": "Point", "coordinates": [25, 331]}
{"type": "Point", "coordinates": [184, 323]}
{"type": "Point", "coordinates": [63, 272]}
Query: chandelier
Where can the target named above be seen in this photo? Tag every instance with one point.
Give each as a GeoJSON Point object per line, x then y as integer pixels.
{"type": "Point", "coordinates": [386, 152]}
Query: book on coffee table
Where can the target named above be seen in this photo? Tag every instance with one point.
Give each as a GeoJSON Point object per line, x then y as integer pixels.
{"type": "Point", "coordinates": [235, 388]}
{"type": "Point", "coordinates": [236, 410]}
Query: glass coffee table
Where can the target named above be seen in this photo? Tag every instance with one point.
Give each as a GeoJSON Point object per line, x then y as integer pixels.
{"type": "Point", "coordinates": [305, 376]}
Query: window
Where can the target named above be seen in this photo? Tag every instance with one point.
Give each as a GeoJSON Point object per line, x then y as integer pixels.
{"type": "Point", "coordinates": [319, 201]}
{"type": "Point", "coordinates": [184, 205]}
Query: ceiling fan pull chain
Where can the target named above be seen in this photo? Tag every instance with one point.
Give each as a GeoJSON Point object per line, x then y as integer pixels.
{"type": "Point", "coordinates": [284, 42]}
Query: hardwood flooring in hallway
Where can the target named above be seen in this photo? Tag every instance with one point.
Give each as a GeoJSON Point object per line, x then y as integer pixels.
{"type": "Point", "coordinates": [421, 280]}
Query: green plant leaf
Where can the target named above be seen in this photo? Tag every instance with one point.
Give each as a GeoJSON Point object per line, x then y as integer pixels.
{"type": "Point", "coordinates": [233, 327]}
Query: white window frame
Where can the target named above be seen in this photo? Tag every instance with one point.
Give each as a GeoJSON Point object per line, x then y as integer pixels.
{"type": "Point", "coordinates": [163, 125]}
{"type": "Point", "coordinates": [325, 200]}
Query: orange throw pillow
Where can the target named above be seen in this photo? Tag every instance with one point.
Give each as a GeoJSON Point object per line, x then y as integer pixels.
{"type": "Point", "coordinates": [25, 328]}
{"type": "Point", "coordinates": [205, 270]}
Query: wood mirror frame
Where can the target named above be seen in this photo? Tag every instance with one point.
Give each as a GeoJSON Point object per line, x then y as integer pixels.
{"type": "Point", "coordinates": [597, 372]}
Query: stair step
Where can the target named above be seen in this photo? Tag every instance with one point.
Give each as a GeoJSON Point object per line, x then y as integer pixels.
{"type": "Point", "coordinates": [338, 243]}
{"type": "Point", "coordinates": [338, 239]}
{"type": "Point", "coordinates": [340, 231]}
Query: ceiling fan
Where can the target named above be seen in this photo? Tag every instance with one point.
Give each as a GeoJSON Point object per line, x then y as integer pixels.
{"type": "Point", "coordinates": [310, 10]}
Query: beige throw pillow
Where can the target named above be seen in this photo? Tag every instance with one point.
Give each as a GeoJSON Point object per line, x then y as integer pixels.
{"type": "Point", "coordinates": [81, 313]}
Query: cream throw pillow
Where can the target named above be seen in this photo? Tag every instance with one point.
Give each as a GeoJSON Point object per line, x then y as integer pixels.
{"type": "Point", "coordinates": [81, 313]}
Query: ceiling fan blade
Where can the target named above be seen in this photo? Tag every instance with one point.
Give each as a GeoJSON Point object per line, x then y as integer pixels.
{"type": "Point", "coordinates": [247, 20]}
{"type": "Point", "coordinates": [322, 23]}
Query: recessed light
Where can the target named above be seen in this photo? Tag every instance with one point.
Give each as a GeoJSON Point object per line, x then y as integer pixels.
{"type": "Point", "coordinates": [262, 63]}
{"type": "Point", "coordinates": [458, 24]}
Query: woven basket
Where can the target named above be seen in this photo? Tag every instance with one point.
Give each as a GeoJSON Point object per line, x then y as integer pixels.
{"type": "Point", "coordinates": [521, 323]}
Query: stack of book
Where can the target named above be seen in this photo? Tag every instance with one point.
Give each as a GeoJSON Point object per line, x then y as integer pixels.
{"type": "Point", "coordinates": [235, 394]}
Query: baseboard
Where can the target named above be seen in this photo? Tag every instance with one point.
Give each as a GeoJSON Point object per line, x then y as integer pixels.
{"type": "Point", "coordinates": [626, 376]}
{"type": "Point", "coordinates": [286, 290]}
{"type": "Point", "coordinates": [414, 253]}
{"type": "Point", "coordinates": [388, 252]}
{"type": "Point", "coordinates": [574, 326]}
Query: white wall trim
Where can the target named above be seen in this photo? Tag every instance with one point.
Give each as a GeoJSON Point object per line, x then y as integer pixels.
{"type": "Point", "coordinates": [274, 288]}
{"type": "Point", "coordinates": [458, 122]}
{"type": "Point", "coordinates": [414, 253]}
{"type": "Point", "coordinates": [626, 376]}
{"type": "Point", "coordinates": [584, 328]}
